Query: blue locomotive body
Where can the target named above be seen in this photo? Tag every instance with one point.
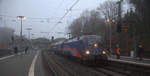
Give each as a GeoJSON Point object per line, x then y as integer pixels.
{"type": "Point", "coordinates": [87, 48]}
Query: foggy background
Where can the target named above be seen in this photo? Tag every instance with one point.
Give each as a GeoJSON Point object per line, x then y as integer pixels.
{"type": "Point", "coordinates": [42, 15]}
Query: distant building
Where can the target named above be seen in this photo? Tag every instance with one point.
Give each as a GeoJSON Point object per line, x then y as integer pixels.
{"type": "Point", "coordinates": [6, 37]}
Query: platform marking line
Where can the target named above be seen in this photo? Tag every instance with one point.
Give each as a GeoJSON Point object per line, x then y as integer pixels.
{"type": "Point", "coordinates": [31, 70]}
{"type": "Point", "coordinates": [6, 57]}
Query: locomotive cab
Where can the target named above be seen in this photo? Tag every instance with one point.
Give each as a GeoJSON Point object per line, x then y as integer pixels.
{"type": "Point", "coordinates": [94, 50]}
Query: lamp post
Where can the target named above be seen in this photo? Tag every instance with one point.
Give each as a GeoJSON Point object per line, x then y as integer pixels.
{"type": "Point", "coordinates": [21, 18]}
{"type": "Point", "coordinates": [119, 22]}
{"type": "Point", "coordinates": [109, 21]}
{"type": "Point", "coordinates": [32, 35]}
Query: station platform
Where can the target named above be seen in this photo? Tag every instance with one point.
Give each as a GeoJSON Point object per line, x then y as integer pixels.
{"type": "Point", "coordinates": [131, 60]}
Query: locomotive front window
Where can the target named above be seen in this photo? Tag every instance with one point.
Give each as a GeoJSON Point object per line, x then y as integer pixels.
{"type": "Point", "coordinates": [92, 40]}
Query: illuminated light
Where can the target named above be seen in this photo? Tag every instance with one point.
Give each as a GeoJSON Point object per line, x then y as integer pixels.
{"type": "Point", "coordinates": [104, 52]}
{"type": "Point", "coordinates": [22, 17]}
{"type": "Point", "coordinates": [87, 52]}
{"type": "Point", "coordinates": [108, 20]}
{"type": "Point", "coordinates": [95, 45]}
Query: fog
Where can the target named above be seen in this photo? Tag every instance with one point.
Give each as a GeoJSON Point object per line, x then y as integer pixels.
{"type": "Point", "coordinates": [42, 15]}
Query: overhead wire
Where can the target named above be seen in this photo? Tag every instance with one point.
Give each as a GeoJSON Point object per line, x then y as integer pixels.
{"type": "Point", "coordinates": [32, 18]}
{"type": "Point", "coordinates": [69, 9]}
{"type": "Point", "coordinates": [61, 18]}
{"type": "Point", "coordinates": [27, 17]}
{"type": "Point", "coordinates": [64, 15]}
{"type": "Point", "coordinates": [60, 4]}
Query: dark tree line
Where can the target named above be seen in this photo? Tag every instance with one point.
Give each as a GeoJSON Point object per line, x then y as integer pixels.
{"type": "Point", "coordinates": [142, 10]}
{"type": "Point", "coordinates": [89, 21]}
{"type": "Point", "coordinates": [137, 19]}
{"type": "Point", "coordinates": [94, 21]}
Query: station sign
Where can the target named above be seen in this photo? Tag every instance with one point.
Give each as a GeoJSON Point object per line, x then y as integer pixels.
{"type": "Point", "coordinates": [124, 28]}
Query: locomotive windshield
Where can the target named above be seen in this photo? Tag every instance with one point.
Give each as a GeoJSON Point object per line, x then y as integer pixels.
{"type": "Point", "coordinates": [93, 39]}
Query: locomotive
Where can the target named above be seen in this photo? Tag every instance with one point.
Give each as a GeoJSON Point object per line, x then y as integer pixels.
{"type": "Point", "coordinates": [85, 48]}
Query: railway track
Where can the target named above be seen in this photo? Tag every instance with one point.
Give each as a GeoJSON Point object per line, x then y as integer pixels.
{"type": "Point", "coordinates": [104, 69]}
{"type": "Point", "coordinates": [57, 68]}
{"type": "Point", "coordinates": [123, 69]}
{"type": "Point", "coordinates": [78, 73]}
{"type": "Point", "coordinates": [75, 69]}
{"type": "Point", "coordinates": [109, 71]}
{"type": "Point", "coordinates": [66, 69]}
{"type": "Point", "coordinates": [94, 71]}
{"type": "Point", "coordinates": [129, 69]}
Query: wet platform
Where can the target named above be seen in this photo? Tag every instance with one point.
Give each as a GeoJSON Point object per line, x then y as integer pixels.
{"type": "Point", "coordinates": [131, 60]}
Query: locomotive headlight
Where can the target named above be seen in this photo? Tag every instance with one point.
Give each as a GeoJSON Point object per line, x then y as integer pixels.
{"type": "Point", "coordinates": [87, 52]}
{"type": "Point", "coordinates": [104, 52]}
{"type": "Point", "coordinates": [95, 45]}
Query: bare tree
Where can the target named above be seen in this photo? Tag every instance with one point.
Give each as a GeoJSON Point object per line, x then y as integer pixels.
{"type": "Point", "coordinates": [88, 22]}
{"type": "Point", "coordinates": [109, 9]}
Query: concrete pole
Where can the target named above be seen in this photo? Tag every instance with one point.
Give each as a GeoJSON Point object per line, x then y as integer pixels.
{"type": "Point", "coordinates": [21, 29]}
{"type": "Point", "coordinates": [110, 37]}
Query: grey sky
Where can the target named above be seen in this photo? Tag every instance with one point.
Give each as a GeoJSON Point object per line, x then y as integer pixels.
{"type": "Point", "coordinates": [49, 12]}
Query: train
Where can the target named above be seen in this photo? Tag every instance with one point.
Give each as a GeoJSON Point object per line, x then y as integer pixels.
{"type": "Point", "coordinates": [86, 48]}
